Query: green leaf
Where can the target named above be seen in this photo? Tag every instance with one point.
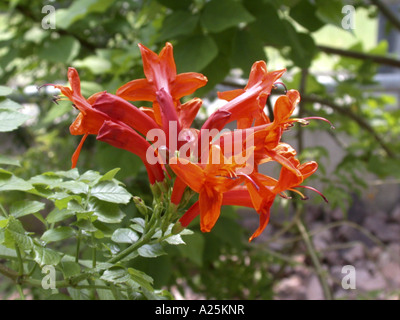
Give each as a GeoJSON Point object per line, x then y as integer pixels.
{"type": "Point", "coordinates": [11, 182]}
{"type": "Point", "coordinates": [246, 49]}
{"type": "Point", "coordinates": [5, 91]}
{"type": "Point", "coordinates": [219, 15]}
{"type": "Point", "coordinates": [58, 215]}
{"type": "Point", "coordinates": [193, 250]}
{"type": "Point", "coordinates": [75, 187]}
{"type": "Point", "coordinates": [5, 160]}
{"type": "Point", "coordinates": [151, 250]}
{"type": "Point", "coordinates": [10, 105]}
{"type": "Point", "coordinates": [45, 256]}
{"type": "Point", "coordinates": [195, 53]}
{"type": "Point", "coordinates": [90, 176]}
{"type": "Point", "coordinates": [176, 4]}
{"type": "Point", "coordinates": [116, 275]}
{"type": "Point", "coordinates": [96, 64]}
{"type": "Point", "coordinates": [111, 192]}
{"type": "Point", "coordinates": [70, 269]}
{"type": "Point", "coordinates": [178, 23]}
{"type": "Point", "coordinates": [14, 233]}
{"type": "Point", "coordinates": [109, 175]}
{"type": "Point", "coordinates": [106, 212]}
{"type": "Point", "coordinates": [11, 120]}
{"type": "Point", "coordinates": [175, 240]}
{"type": "Point", "coordinates": [141, 278]}
{"type": "Point", "coordinates": [63, 49]}
{"type": "Point", "coordinates": [58, 234]}
{"type": "Point", "coordinates": [71, 174]}
{"type": "Point", "coordinates": [24, 207]}
{"type": "Point", "coordinates": [304, 12]}
{"type": "Point", "coordinates": [78, 10]}
{"type": "Point", "coordinates": [330, 11]}
{"type": "Point", "coordinates": [7, 253]}
{"type": "Point", "coordinates": [124, 235]}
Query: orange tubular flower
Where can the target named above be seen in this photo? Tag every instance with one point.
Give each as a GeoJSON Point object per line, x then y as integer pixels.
{"type": "Point", "coordinates": [246, 104]}
{"type": "Point", "coordinates": [160, 72]}
{"type": "Point", "coordinates": [121, 136]}
{"type": "Point", "coordinates": [217, 177]}
{"type": "Point", "coordinates": [99, 108]}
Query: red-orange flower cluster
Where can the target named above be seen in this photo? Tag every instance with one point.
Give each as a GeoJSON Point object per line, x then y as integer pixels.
{"type": "Point", "coordinates": [224, 169]}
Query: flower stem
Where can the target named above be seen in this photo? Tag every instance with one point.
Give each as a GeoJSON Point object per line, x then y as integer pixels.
{"type": "Point", "coordinates": [315, 260]}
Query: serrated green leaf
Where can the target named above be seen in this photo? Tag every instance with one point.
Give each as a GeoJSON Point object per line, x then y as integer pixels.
{"type": "Point", "coordinates": [219, 15]}
{"type": "Point", "coordinates": [75, 187]}
{"type": "Point", "coordinates": [50, 181]}
{"type": "Point", "coordinates": [116, 275]}
{"type": "Point", "coordinates": [111, 192]}
{"type": "Point", "coordinates": [45, 256]}
{"type": "Point", "coordinates": [141, 278]}
{"type": "Point", "coordinates": [151, 250]}
{"type": "Point", "coordinates": [14, 233]}
{"type": "Point", "coordinates": [58, 234]}
{"type": "Point", "coordinates": [106, 212]}
{"type": "Point", "coordinates": [24, 207]}
{"type": "Point", "coordinates": [124, 235]}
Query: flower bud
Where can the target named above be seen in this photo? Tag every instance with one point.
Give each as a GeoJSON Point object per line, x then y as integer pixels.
{"type": "Point", "coordinates": [140, 205]}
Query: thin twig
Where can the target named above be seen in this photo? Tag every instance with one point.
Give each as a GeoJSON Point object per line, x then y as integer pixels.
{"type": "Point", "coordinates": [311, 250]}
{"type": "Point", "coordinates": [347, 112]}
{"type": "Point", "coordinates": [361, 56]}
{"type": "Point", "coordinates": [388, 13]}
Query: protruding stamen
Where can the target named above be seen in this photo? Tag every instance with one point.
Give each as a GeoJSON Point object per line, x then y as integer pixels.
{"type": "Point", "coordinates": [320, 118]}
{"type": "Point", "coordinates": [315, 190]}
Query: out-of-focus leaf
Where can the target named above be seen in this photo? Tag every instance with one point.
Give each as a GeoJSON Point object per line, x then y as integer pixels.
{"type": "Point", "coordinates": [246, 49]}
{"type": "Point", "coordinates": [11, 120]}
{"type": "Point", "coordinates": [78, 10]}
{"type": "Point", "coordinates": [219, 15]}
{"type": "Point", "coordinates": [5, 91]}
{"type": "Point", "coordinates": [195, 53]}
{"type": "Point", "coordinates": [63, 49]}
{"type": "Point", "coordinates": [304, 12]}
{"type": "Point", "coordinates": [177, 24]}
